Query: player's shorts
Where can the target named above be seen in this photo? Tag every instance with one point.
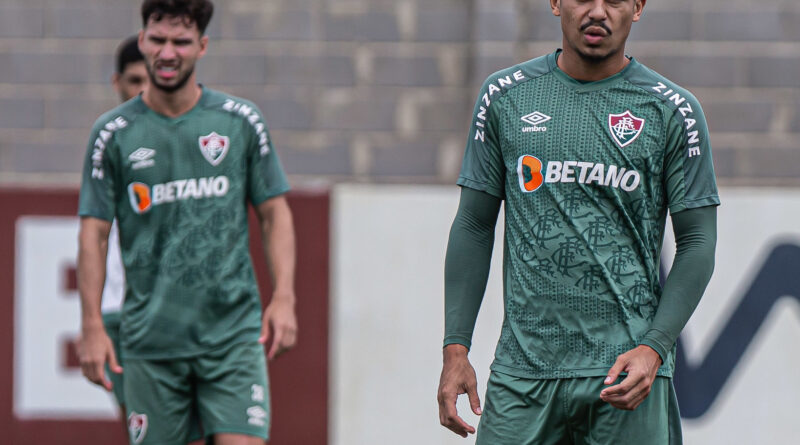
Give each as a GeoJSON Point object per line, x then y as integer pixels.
{"type": "Point", "coordinates": [111, 321]}
{"type": "Point", "coordinates": [227, 389]}
{"type": "Point", "coordinates": [521, 411]}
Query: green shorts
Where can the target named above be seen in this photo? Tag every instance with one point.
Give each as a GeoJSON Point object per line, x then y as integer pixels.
{"type": "Point", "coordinates": [111, 321]}
{"type": "Point", "coordinates": [569, 411]}
{"type": "Point", "coordinates": [226, 388]}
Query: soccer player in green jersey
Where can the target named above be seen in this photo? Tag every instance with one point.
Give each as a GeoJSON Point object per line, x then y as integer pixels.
{"type": "Point", "coordinates": [589, 149]}
{"type": "Point", "coordinates": [176, 167]}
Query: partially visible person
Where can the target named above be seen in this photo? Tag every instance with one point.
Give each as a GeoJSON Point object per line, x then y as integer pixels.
{"type": "Point", "coordinates": [130, 77]}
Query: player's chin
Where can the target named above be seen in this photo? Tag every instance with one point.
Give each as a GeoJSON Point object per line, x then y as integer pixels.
{"type": "Point", "coordinates": [596, 53]}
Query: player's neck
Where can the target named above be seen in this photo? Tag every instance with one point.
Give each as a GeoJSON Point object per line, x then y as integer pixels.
{"type": "Point", "coordinates": [582, 69]}
{"type": "Point", "coordinates": [173, 104]}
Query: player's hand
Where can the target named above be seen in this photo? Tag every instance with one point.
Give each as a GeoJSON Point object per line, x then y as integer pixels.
{"type": "Point", "coordinates": [641, 364]}
{"type": "Point", "coordinates": [94, 351]}
{"type": "Point", "coordinates": [281, 323]}
{"type": "Point", "coordinates": [458, 377]}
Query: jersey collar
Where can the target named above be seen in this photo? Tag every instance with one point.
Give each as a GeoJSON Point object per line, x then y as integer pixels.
{"type": "Point", "coordinates": [587, 86]}
{"type": "Point", "coordinates": [204, 97]}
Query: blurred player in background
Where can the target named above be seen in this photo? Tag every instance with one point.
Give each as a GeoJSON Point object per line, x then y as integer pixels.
{"type": "Point", "coordinates": [130, 77]}
{"type": "Point", "coordinates": [589, 149]}
{"type": "Point", "coordinates": [176, 167]}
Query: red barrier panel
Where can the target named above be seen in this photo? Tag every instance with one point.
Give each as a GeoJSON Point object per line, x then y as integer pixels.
{"type": "Point", "coordinates": [298, 379]}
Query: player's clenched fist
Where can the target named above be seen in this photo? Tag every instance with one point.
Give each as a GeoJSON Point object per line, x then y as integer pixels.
{"type": "Point", "coordinates": [458, 377]}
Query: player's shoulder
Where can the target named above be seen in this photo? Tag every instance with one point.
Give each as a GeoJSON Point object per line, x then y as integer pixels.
{"type": "Point", "coordinates": [507, 79]}
{"type": "Point", "coordinates": [660, 87]}
{"type": "Point", "coordinates": [119, 117]}
{"type": "Point", "coordinates": [228, 104]}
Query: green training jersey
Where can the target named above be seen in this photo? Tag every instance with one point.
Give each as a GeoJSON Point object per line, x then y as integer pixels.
{"type": "Point", "coordinates": [179, 189]}
{"type": "Point", "coordinates": [588, 171]}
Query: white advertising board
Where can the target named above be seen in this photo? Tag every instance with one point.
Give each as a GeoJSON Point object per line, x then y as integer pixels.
{"type": "Point", "coordinates": [47, 316]}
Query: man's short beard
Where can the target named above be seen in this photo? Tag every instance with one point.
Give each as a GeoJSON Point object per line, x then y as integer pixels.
{"type": "Point", "coordinates": [596, 58]}
{"type": "Point", "coordinates": [169, 88]}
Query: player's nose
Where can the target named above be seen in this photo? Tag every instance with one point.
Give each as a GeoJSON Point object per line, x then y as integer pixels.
{"type": "Point", "coordinates": [597, 10]}
{"type": "Point", "coordinates": [168, 51]}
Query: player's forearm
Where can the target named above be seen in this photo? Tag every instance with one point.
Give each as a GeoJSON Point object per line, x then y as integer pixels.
{"type": "Point", "coordinates": [279, 245]}
{"type": "Point", "coordinates": [695, 237]}
{"type": "Point", "coordinates": [92, 250]}
{"type": "Point", "coordinates": [466, 270]}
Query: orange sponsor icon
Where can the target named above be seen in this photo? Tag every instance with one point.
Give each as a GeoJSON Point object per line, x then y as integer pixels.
{"type": "Point", "coordinates": [529, 171]}
{"type": "Point", "coordinates": [139, 195]}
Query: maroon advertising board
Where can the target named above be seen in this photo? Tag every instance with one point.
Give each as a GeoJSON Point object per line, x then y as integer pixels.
{"type": "Point", "coordinates": [298, 379]}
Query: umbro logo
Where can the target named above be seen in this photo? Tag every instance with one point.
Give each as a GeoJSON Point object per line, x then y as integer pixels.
{"type": "Point", "coordinates": [536, 119]}
{"type": "Point", "coordinates": [256, 416]}
{"type": "Point", "coordinates": [142, 157]}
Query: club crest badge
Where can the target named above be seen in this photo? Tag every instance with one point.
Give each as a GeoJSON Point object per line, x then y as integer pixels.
{"type": "Point", "coordinates": [137, 426]}
{"type": "Point", "coordinates": [214, 147]}
{"type": "Point", "coordinates": [625, 128]}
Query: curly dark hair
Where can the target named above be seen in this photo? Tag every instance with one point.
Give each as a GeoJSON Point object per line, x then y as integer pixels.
{"type": "Point", "coordinates": [191, 11]}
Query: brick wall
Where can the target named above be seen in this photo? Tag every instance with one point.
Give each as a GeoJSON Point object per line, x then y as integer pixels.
{"type": "Point", "coordinates": [381, 90]}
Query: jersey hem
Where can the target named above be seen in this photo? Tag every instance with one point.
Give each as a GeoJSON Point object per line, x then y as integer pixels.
{"type": "Point", "coordinates": [479, 186]}
{"type": "Point", "coordinates": [563, 373]}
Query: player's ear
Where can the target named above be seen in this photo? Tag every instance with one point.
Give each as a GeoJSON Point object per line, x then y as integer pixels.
{"type": "Point", "coordinates": [638, 8]}
{"type": "Point", "coordinates": [115, 81]}
{"type": "Point", "coordinates": [203, 46]}
{"type": "Point", "coordinates": [555, 5]}
{"type": "Point", "coordinates": [140, 40]}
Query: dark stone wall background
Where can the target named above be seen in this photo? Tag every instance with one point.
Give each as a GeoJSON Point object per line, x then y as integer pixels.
{"type": "Point", "coordinates": [382, 90]}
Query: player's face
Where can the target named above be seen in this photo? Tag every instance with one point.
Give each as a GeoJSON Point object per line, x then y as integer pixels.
{"type": "Point", "coordinates": [171, 47]}
{"type": "Point", "coordinates": [597, 29]}
{"type": "Point", "coordinates": [132, 81]}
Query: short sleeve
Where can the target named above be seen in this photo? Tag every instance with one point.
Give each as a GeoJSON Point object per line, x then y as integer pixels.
{"type": "Point", "coordinates": [97, 197]}
{"type": "Point", "coordinates": [482, 168]}
{"type": "Point", "coordinates": [266, 178]}
{"type": "Point", "coordinates": [689, 168]}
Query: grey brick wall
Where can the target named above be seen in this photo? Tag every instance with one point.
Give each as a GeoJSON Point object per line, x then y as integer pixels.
{"type": "Point", "coordinates": [381, 90]}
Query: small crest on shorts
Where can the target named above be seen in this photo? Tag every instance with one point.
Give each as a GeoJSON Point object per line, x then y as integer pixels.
{"type": "Point", "coordinates": [137, 426]}
{"type": "Point", "coordinates": [625, 128]}
{"type": "Point", "coordinates": [214, 147]}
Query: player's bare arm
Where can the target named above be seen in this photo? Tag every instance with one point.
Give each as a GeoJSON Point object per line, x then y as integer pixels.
{"type": "Point", "coordinates": [277, 230]}
{"type": "Point", "coordinates": [458, 377]}
{"type": "Point", "coordinates": [94, 347]}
